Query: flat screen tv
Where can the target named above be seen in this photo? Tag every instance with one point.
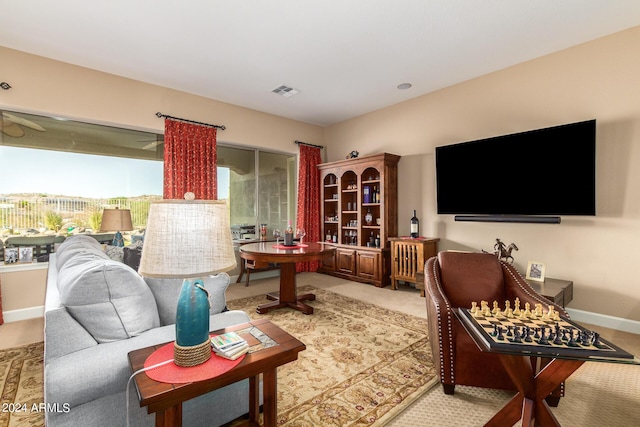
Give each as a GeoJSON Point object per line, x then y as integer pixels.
{"type": "Point", "coordinates": [544, 172]}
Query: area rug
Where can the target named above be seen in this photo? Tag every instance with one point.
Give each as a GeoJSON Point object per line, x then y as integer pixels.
{"type": "Point", "coordinates": [21, 384]}
{"type": "Point", "coordinates": [363, 364]}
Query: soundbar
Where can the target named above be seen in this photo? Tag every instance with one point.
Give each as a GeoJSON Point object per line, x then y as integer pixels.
{"type": "Point", "coordinates": [509, 218]}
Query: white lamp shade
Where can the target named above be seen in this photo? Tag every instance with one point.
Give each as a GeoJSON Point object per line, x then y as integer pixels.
{"type": "Point", "coordinates": [187, 238]}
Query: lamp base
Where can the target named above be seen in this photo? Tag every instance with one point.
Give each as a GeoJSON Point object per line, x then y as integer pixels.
{"type": "Point", "coordinates": [191, 355]}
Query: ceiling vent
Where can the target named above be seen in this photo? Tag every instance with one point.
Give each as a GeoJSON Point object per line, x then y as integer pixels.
{"type": "Point", "coordinates": [285, 91]}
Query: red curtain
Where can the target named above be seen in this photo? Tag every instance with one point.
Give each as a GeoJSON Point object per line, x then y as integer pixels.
{"type": "Point", "coordinates": [190, 158]}
{"type": "Point", "coordinates": [308, 212]}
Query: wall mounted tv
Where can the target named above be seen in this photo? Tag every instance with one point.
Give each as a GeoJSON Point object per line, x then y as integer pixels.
{"type": "Point", "coordinates": [533, 176]}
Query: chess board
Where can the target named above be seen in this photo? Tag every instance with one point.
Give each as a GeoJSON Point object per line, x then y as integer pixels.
{"type": "Point", "coordinates": [509, 335]}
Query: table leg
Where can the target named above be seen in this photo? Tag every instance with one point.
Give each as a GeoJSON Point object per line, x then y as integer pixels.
{"type": "Point", "coordinates": [529, 403]}
{"type": "Point", "coordinates": [270, 394]}
{"type": "Point", "coordinates": [171, 416]}
{"type": "Point", "coordinates": [288, 295]}
{"type": "Point", "coordinates": [254, 400]}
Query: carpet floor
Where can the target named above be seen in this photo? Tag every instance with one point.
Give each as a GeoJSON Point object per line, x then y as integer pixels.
{"type": "Point", "coordinates": [363, 363]}
{"type": "Point", "coordinates": [21, 385]}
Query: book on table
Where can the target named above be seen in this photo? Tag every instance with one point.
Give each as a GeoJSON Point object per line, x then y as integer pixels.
{"type": "Point", "coordinates": [229, 345]}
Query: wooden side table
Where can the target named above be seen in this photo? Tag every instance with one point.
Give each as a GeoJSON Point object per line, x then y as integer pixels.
{"type": "Point", "coordinates": [165, 400]}
{"type": "Point", "coordinates": [557, 290]}
{"type": "Point", "coordinates": [408, 256]}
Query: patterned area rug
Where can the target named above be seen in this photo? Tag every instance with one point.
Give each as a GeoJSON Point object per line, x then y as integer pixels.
{"type": "Point", "coordinates": [363, 364]}
{"type": "Point", "coordinates": [21, 384]}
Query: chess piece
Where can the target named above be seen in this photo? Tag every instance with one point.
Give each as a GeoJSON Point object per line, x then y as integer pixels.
{"type": "Point", "coordinates": [495, 308]}
{"type": "Point", "coordinates": [538, 310]}
{"type": "Point", "coordinates": [516, 309]}
{"type": "Point", "coordinates": [486, 311]}
{"type": "Point", "coordinates": [474, 307]}
{"type": "Point", "coordinates": [509, 313]}
{"type": "Point", "coordinates": [527, 311]}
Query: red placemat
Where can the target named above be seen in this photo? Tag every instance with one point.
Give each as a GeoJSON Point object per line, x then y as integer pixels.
{"type": "Point", "coordinates": [296, 246]}
{"type": "Point", "coordinates": [174, 374]}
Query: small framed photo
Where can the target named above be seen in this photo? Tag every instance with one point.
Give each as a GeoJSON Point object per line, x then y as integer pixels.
{"type": "Point", "coordinates": [25, 254]}
{"type": "Point", "coordinates": [535, 271]}
{"type": "Point", "coordinates": [10, 255]}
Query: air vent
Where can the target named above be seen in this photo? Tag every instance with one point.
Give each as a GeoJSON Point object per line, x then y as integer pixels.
{"type": "Point", "coordinates": [285, 91]}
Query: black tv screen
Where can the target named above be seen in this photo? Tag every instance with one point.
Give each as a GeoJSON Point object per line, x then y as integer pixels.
{"type": "Point", "coordinates": [549, 171]}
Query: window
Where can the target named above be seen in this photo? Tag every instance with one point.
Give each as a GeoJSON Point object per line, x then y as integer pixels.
{"type": "Point", "coordinates": [273, 186]}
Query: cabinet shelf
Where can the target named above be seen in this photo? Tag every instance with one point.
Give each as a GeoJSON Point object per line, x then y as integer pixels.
{"type": "Point", "coordinates": [355, 258]}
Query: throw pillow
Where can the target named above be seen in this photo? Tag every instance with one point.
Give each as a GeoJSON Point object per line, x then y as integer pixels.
{"type": "Point", "coordinates": [110, 300]}
{"type": "Point", "coordinates": [166, 292]}
{"type": "Point", "coordinates": [79, 244]}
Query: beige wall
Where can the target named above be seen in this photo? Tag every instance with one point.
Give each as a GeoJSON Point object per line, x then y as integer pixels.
{"type": "Point", "coordinates": [600, 80]}
{"type": "Point", "coordinates": [22, 288]}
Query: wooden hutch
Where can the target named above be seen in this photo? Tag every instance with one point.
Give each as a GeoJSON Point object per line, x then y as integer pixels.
{"type": "Point", "coordinates": [359, 212]}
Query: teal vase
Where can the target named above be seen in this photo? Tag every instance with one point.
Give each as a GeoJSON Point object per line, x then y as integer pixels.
{"type": "Point", "coordinates": [192, 315]}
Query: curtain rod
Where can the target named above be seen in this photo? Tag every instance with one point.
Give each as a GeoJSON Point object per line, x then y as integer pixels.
{"type": "Point", "coordinates": [310, 145]}
{"type": "Point", "coordinates": [221, 127]}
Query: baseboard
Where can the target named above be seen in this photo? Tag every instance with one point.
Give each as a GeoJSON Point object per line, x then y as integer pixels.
{"type": "Point", "coordinates": [606, 321]}
{"type": "Point", "coordinates": [23, 314]}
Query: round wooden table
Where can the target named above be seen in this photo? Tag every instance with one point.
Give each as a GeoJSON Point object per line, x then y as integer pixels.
{"type": "Point", "coordinates": [287, 258]}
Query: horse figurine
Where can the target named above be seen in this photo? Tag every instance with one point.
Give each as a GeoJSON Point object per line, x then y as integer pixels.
{"type": "Point", "coordinates": [503, 252]}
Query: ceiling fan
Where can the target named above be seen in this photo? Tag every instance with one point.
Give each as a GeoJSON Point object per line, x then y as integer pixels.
{"type": "Point", "coordinates": [13, 126]}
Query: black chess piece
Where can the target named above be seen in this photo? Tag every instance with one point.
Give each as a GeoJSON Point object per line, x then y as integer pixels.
{"type": "Point", "coordinates": [517, 335]}
{"type": "Point", "coordinates": [572, 341]}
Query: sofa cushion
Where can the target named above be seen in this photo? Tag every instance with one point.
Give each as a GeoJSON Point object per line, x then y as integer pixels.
{"type": "Point", "coordinates": [109, 299]}
{"type": "Point", "coordinates": [166, 292]}
{"type": "Point", "coordinates": [79, 244]}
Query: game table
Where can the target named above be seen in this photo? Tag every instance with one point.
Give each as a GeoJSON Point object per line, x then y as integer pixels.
{"type": "Point", "coordinates": [287, 257]}
{"type": "Point", "coordinates": [521, 359]}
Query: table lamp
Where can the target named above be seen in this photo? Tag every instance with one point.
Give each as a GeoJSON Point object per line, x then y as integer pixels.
{"type": "Point", "coordinates": [188, 239]}
{"type": "Point", "coordinates": [116, 220]}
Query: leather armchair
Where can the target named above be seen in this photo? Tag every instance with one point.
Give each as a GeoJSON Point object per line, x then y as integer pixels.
{"type": "Point", "coordinates": [456, 279]}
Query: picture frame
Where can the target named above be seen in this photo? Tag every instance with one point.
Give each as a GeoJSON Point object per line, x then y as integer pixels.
{"type": "Point", "coordinates": [535, 271]}
{"type": "Point", "coordinates": [25, 254]}
{"type": "Point", "coordinates": [10, 255]}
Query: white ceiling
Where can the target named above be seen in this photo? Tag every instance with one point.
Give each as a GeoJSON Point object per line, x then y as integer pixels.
{"type": "Point", "coordinates": [346, 57]}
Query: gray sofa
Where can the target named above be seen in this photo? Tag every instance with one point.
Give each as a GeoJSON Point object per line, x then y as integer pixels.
{"type": "Point", "coordinates": [97, 310]}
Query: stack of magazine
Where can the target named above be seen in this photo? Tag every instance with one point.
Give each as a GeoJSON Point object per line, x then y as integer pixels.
{"type": "Point", "coordinates": [229, 345]}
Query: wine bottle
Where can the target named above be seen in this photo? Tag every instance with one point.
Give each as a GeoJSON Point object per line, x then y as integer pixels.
{"type": "Point", "coordinates": [288, 235]}
{"type": "Point", "coordinates": [415, 225]}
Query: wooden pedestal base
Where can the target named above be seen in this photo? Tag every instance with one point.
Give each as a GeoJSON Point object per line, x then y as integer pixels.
{"type": "Point", "coordinates": [529, 403]}
{"type": "Point", "coordinates": [288, 295]}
